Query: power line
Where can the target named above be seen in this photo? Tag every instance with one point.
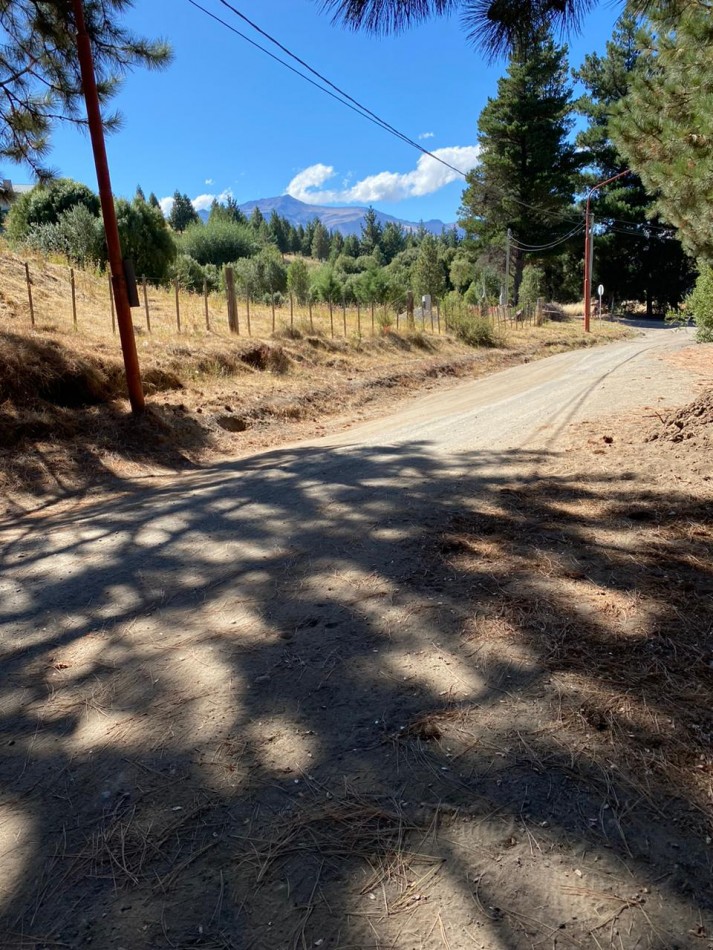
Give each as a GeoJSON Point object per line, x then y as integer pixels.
{"type": "Point", "coordinates": [344, 98]}
{"type": "Point", "coordinates": [546, 247]}
{"type": "Point", "coordinates": [347, 100]}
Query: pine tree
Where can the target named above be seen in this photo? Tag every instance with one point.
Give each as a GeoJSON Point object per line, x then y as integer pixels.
{"type": "Point", "coordinates": [39, 70]}
{"type": "Point", "coordinates": [664, 125]}
{"type": "Point", "coordinates": [497, 25]}
{"type": "Point", "coordinates": [153, 201]}
{"type": "Point", "coordinates": [393, 240]}
{"type": "Point", "coordinates": [351, 245]}
{"type": "Point", "coordinates": [370, 232]}
{"type": "Point", "coordinates": [636, 257]}
{"type": "Point", "coordinates": [140, 193]}
{"type": "Point", "coordinates": [429, 274]}
{"type": "Point", "coordinates": [320, 242]}
{"type": "Point", "coordinates": [528, 170]}
{"type": "Point", "coordinates": [257, 219]}
{"type": "Point", "coordinates": [278, 228]}
{"type": "Point", "coordinates": [182, 212]}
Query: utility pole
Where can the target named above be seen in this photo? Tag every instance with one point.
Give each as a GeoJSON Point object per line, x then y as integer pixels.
{"type": "Point", "coordinates": [589, 248]}
{"type": "Point", "coordinates": [116, 263]}
{"type": "Point", "coordinates": [507, 268]}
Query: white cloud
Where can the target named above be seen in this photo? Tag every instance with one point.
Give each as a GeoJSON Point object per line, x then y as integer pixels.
{"type": "Point", "coordinates": [200, 202]}
{"type": "Point", "coordinates": [428, 176]}
{"type": "Point", "coordinates": [203, 202]}
{"type": "Point", "coordinates": [427, 135]}
{"type": "Point", "coordinates": [209, 181]}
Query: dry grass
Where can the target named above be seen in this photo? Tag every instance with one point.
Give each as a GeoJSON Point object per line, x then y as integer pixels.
{"type": "Point", "coordinates": [63, 411]}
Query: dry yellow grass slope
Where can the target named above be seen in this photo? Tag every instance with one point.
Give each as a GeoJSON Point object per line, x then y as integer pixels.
{"type": "Point", "coordinates": [63, 415]}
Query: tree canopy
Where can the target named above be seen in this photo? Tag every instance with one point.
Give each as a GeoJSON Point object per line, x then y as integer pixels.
{"type": "Point", "coordinates": [637, 255]}
{"type": "Point", "coordinates": [39, 71]}
{"type": "Point", "coordinates": [664, 125]}
{"type": "Point", "coordinates": [498, 26]}
{"type": "Point", "coordinates": [528, 169]}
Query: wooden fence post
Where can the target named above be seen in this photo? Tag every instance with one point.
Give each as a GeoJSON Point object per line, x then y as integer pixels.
{"type": "Point", "coordinates": [111, 301]}
{"type": "Point", "coordinates": [74, 297]}
{"type": "Point", "coordinates": [230, 293]}
{"type": "Point", "coordinates": [178, 306]}
{"type": "Point", "coordinates": [146, 303]}
{"type": "Point", "coordinates": [29, 293]}
{"type": "Point", "coordinates": [205, 305]}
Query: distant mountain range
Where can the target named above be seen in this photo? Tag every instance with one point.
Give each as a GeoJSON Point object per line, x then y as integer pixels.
{"type": "Point", "coordinates": [346, 219]}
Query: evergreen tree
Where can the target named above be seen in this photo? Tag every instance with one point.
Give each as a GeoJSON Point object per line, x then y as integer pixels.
{"type": "Point", "coordinates": [308, 237]}
{"type": "Point", "coordinates": [664, 125]}
{"type": "Point", "coordinates": [497, 25]}
{"type": "Point", "coordinates": [636, 256]}
{"type": "Point", "coordinates": [182, 212]}
{"type": "Point", "coordinates": [153, 201]}
{"type": "Point", "coordinates": [429, 275]}
{"type": "Point", "coordinates": [370, 232]}
{"type": "Point", "coordinates": [336, 245]}
{"type": "Point", "coordinates": [528, 170]}
{"type": "Point", "coordinates": [298, 280]}
{"type": "Point", "coordinates": [236, 215]}
{"type": "Point", "coordinates": [39, 70]}
{"type": "Point", "coordinates": [140, 193]}
{"type": "Point", "coordinates": [294, 242]}
{"type": "Point", "coordinates": [393, 240]}
{"type": "Point", "coordinates": [278, 228]}
{"type": "Point", "coordinates": [320, 242]}
{"type": "Point", "coordinates": [351, 246]}
{"type": "Point", "coordinates": [257, 219]}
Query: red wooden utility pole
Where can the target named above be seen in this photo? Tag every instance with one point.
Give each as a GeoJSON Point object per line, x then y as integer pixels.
{"type": "Point", "coordinates": [588, 250]}
{"type": "Point", "coordinates": [116, 263]}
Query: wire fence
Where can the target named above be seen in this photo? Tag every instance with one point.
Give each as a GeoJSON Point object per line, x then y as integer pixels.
{"type": "Point", "coordinates": [59, 298]}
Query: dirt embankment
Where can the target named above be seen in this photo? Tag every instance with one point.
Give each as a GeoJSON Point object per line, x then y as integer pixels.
{"type": "Point", "coordinates": [65, 425]}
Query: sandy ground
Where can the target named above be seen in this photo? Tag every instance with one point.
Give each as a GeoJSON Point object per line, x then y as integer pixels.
{"type": "Point", "coordinates": [441, 680]}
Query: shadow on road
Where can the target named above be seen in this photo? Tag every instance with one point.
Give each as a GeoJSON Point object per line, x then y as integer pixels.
{"type": "Point", "coordinates": [358, 698]}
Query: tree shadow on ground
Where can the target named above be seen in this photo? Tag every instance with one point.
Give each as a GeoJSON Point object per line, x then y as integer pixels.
{"type": "Point", "coordinates": [358, 698]}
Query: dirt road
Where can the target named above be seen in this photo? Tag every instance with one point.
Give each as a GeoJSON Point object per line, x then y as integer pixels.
{"type": "Point", "coordinates": [242, 708]}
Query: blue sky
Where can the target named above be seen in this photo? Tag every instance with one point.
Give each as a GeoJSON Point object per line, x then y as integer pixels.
{"type": "Point", "coordinates": [224, 118]}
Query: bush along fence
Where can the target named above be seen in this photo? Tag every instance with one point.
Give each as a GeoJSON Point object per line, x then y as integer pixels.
{"type": "Point", "coordinates": [59, 298]}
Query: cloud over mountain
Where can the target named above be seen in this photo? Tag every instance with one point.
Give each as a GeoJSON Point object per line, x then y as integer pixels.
{"type": "Point", "coordinates": [428, 176]}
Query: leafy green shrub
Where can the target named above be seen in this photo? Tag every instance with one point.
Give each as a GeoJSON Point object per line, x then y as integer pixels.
{"type": "Point", "coordinates": [218, 242]}
{"type": "Point", "coordinates": [145, 238]}
{"type": "Point", "coordinates": [78, 235]}
{"type": "Point", "coordinates": [326, 284]}
{"type": "Point", "coordinates": [700, 303]}
{"type": "Point", "coordinates": [474, 331]}
{"type": "Point", "coordinates": [189, 273]}
{"type": "Point", "coordinates": [45, 204]}
{"type": "Point", "coordinates": [270, 272]}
